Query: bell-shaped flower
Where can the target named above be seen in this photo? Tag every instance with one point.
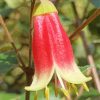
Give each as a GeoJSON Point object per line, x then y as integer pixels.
{"type": "Point", "coordinates": [52, 50]}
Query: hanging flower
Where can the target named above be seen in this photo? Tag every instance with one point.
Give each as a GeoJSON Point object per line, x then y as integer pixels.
{"type": "Point", "coordinates": [52, 50]}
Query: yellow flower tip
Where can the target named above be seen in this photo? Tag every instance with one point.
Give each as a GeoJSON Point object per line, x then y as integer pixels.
{"type": "Point", "coordinates": [89, 78]}
{"type": "Point", "coordinates": [28, 88]}
{"type": "Point", "coordinates": [43, 7]}
{"type": "Point", "coordinates": [85, 87]}
{"type": "Point", "coordinates": [47, 93]}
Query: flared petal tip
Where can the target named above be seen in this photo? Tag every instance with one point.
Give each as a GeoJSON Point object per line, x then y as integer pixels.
{"type": "Point", "coordinates": [29, 88]}
{"type": "Point", "coordinates": [81, 80]}
{"type": "Point", "coordinates": [89, 78]}
{"type": "Point", "coordinates": [74, 75]}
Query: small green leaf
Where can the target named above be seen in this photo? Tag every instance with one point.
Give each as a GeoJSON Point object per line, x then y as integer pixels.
{"type": "Point", "coordinates": [96, 3]}
{"type": "Point", "coordinates": [84, 68]}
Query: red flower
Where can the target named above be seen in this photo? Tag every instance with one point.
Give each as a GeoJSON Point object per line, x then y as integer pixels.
{"type": "Point", "coordinates": [52, 50]}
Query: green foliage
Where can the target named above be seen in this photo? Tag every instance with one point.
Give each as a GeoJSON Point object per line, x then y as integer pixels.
{"type": "Point", "coordinates": [95, 25]}
{"type": "Point", "coordinates": [7, 96]}
{"type": "Point", "coordinates": [7, 61]}
{"type": "Point", "coordinates": [84, 68]}
{"type": "Point", "coordinates": [92, 93]}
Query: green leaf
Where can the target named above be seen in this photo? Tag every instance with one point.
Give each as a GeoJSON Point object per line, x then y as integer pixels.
{"type": "Point", "coordinates": [7, 61]}
{"type": "Point", "coordinates": [96, 3]}
{"type": "Point", "coordinates": [84, 68]}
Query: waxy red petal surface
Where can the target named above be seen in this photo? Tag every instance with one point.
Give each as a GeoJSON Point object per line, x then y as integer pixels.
{"type": "Point", "coordinates": [41, 46]}
{"type": "Point", "coordinates": [60, 44]}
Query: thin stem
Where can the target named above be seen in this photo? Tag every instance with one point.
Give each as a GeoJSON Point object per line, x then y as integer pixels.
{"type": "Point", "coordinates": [12, 43]}
{"type": "Point", "coordinates": [85, 23]}
{"type": "Point", "coordinates": [30, 34]}
{"type": "Point", "coordinates": [28, 75]}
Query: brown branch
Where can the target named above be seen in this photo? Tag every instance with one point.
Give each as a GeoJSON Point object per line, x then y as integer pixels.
{"type": "Point", "coordinates": [85, 23]}
{"type": "Point", "coordinates": [28, 75]}
{"type": "Point", "coordinates": [30, 34]}
{"type": "Point", "coordinates": [12, 43]}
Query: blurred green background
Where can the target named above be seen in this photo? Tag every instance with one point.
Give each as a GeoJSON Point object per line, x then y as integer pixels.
{"type": "Point", "coordinates": [16, 14]}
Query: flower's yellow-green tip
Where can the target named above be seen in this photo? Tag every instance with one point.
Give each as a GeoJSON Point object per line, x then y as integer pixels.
{"type": "Point", "coordinates": [43, 7]}
{"type": "Point", "coordinates": [85, 87]}
{"type": "Point", "coordinates": [28, 88]}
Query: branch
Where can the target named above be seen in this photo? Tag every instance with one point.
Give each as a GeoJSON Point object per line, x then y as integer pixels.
{"type": "Point", "coordinates": [28, 75]}
{"type": "Point", "coordinates": [85, 23]}
{"type": "Point", "coordinates": [12, 43]}
{"type": "Point", "coordinates": [30, 34]}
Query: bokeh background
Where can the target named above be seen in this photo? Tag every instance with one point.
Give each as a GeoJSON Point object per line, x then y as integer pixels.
{"type": "Point", "coordinates": [16, 14]}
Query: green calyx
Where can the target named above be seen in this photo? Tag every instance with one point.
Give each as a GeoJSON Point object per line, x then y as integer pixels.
{"type": "Point", "coordinates": [43, 7]}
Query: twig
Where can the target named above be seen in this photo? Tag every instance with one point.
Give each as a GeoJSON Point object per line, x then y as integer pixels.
{"type": "Point", "coordinates": [12, 43]}
{"type": "Point", "coordinates": [89, 20]}
{"type": "Point", "coordinates": [28, 75]}
{"type": "Point", "coordinates": [30, 34]}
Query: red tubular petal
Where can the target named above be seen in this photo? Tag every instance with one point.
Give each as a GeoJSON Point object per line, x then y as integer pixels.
{"type": "Point", "coordinates": [61, 47]}
{"type": "Point", "coordinates": [42, 55]}
{"type": "Point", "coordinates": [41, 46]}
{"type": "Point", "coordinates": [62, 52]}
